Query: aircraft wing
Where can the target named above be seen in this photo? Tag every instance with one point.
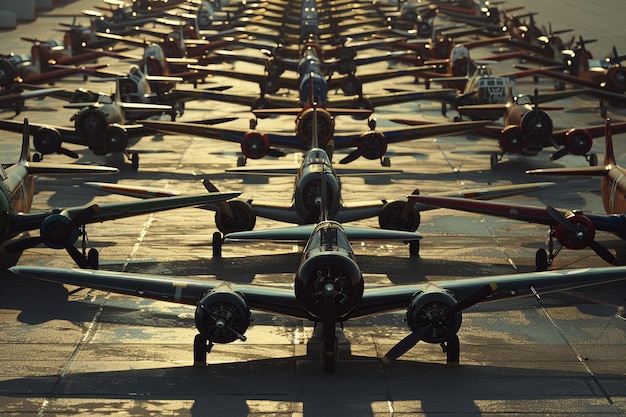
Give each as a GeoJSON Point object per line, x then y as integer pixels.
{"type": "Point", "coordinates": [288, 141]}
{"type": "Point", "coordinates": [390, 98]}
{"type": "Point", "coordinates": [283, 301]}
{"type": "Point", "coordinates": [411, 133]}
{"type": "Point", "coordinates": [593, 88]}
{"type": "Point", "coordinates": [22, 222]}
{"type": "Point", "coordinates": [297, 234]}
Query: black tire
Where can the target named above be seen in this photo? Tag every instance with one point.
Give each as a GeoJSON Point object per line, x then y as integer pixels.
{"type": "Point", "coordinates": [217, 245]}
{"type": "Point", "coordinates": [93, 258]}
{"type": "Point", "coordinates": [494, 161]}
{"type": "Point", "coordinates": [414, 248]}
{"type": "Point", "coordinates": [199, 351]}
{"type": "Point", "coordinates": [134, 161]}
{"type": "Point", "coordinates": [541, 260]}
{"type": "Point", "coordinates": [593, 160]}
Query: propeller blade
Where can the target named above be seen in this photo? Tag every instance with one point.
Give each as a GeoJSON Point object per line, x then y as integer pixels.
{"type": "Point", "coordinates": [83, 217]}
{"type": "Point", "coordinates": [352, 156]}
{"type": "Point", "coordinates": [602, 252]}
{"type": "Point", "coordinates": [222, 205]}
{"type": "Point", "coordinates": [472, 299]}
{"type": "Point", "coordinates": [560, 153]}
{"type": "Point", "coordinates": [78, 257]}
{"type": "Point", "coordinates": [276, 153]}
{"type": "Point", "coordinates": [22, 245]}
{"type": "Point", "coordinates": [560, 219]}
{"type": "Point", "coordinates": [67, 152]}
{"type": "Point", "coordinates": [404, 345]}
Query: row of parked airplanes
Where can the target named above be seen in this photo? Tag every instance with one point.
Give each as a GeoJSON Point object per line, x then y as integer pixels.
{"type": "Point", "coordinates": [329, 287]}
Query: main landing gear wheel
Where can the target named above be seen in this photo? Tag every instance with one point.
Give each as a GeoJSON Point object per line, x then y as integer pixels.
{"type": "Point", "coordinates": [494, 159]}
{"type": "Point", "coordinates": [385, 161]}
{"type": "Point", "coordinates": [593, 160]}
{"type": "Point", "coordinates": [241, 161]}
{"type": "Point", "coordinates": [541, 260]}
{"type": "Point", "coordinates": [134, 161]}
{"type": "Point", "coordinates": [93, 258]}
{"type": "Point", "coordinates": [414, 248]}
{"type": "Point", "coordinates": [217, 245]}
{"type": "Point", "coordinates": [201, 347]}
{"type": "Point", "coordinates": [37, 157]}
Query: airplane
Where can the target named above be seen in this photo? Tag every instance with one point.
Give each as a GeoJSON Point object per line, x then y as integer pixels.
{"type": "Point", "coordinates": [527, 129]}
{"type": "Point", "coordinates": [241, 215]}
{"type": "Point", "coordinates": [572, 229]}
{"type": "Point", "coordinates": [61, 228]}
{"type": "Point", "coordinates": [604, 78]}
{"type": "Point", "coordinates": [15, 98]}
{"type": "Point", "coordinates": [19, 69]}
{"type": "Point", "coordinates": [329, 288]}
{"type": "Point", "coordinates": [100, 126]}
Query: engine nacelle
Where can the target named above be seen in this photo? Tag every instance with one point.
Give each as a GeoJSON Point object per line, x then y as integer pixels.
{"type": "Point", "coordinates": [427, 308]}
{"type": "Point", "coordinates": [328, 277]}
{"type": "Point", "coordinates": [585, 232]}
{"type": "Point", "coordinates": [270, 85]}
{"type": "Point", "coordinates": [351, 85]}
{"type": "Point", "coordinates": [47, 140]}
{"type": "Point", "coordinates": [578, 141]}
{"type": "Point", "coordinates": [115, 139]}
{"type": "Point", "coordinates": [54, 232]}
{"type": "Point", "coordinates": [222, 315]}
{"type": "Point", "coordinates": [616, 79]}
{"type": "Point", "coordinates": [392, 217]}
{"type": "Point", "coordinates": [243, 217]}
{"type": "Point", "coordinates": [536, 127]}
{"type": "Point", "coordinates": [372, 145]}
{"type": "Point", "coordinates": [91, 124]}
{"type": "Point", "coordinates": [512, 140]}
{"type": "Point", "coordinates": [255, 145]}
{"type": "Point", "coordinates": [325, 126]}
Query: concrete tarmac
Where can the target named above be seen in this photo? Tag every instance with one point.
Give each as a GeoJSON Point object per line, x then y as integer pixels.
{"type": "Point", "coordinates": [73, 351]}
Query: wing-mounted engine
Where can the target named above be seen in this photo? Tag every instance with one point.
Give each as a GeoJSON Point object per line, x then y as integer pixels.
{"type": "Point", "coordinates": [616, 79]}
{"type": "Point", "coordinates": [255, 145]}
{"type": "Point", "coordinates": [325, 126]}
{"type": "Point", "coordinates": [512, 140]}
{"type": "Point", "coordinates": [241, 217]}
{"type": "Point", "coordinates": [270, 84]}
{"type": "Point", "coordinates": [329, 280]}
{"type": "Point", "coordinates": [91, 123]}
{"type": "Point", "coordinates": [222, 315]}
{"type": "Point", "coordinates": [47, 140]}
{"type": "Point", "coordinates": [372, 145]}
{"type": "Point", "coordinates": [578, 141]}
{"type": "Point", "coordinates": [395, 215]}
{"type": "Point", "coordinates": [115, 139]}
{"type": "Point", "coordinates": [536, 128]}
{"type": "Point", "coordinates": [579, 235]}
{"type": "Point", "coordinates": [351, 85]}
{"type": "Point", "coordinates": [55, 233]}
{"type": "Point", "coordinates": [428, 314]}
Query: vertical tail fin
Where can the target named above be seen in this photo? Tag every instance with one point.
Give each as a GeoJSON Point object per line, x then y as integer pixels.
{"type": "Point", "coordinates": [25, 153]}
{"type": "Point", "coordinates": [609, 156]}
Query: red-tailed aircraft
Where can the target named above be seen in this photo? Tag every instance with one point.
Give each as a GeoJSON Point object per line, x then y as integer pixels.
{"type": "Point", "coordinates": [572, 229]}
{"type": "Point", "coordinates": [61, 228]}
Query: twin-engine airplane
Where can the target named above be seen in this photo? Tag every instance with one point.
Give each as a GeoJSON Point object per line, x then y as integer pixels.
{"type": "Point", "coordinates": [100, 126]}
{"type": "Point", "coordinates": [572, 229]}
{"type": "Point", "coordinates": [61, 228]}
{"type": "Point", "coordinates": [240, 215]}
{"type": "Point", "coordinates": [329, 288]}
{"type": "Point", "coordinates": [528, 129]}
